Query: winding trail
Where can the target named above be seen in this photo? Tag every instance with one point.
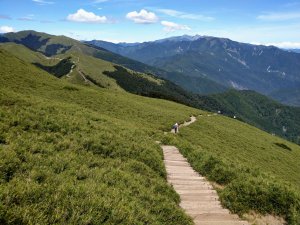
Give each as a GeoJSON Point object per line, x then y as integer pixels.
{"type": "Point", "coordinates": [78, 70]}
{"type": "Point", "coordinates": [198, 198]}
{"type": "Point", "coordinates": [83, 77]}
{"type": "Point", "coordinates": [186, 123]}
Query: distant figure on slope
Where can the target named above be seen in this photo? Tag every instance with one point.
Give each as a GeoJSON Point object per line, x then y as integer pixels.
{"type": "Point", "coordinates": [175, 127]}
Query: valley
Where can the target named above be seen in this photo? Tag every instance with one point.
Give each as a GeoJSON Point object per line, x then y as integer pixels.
{"type": "Point", "coordinates": [79, 134]}
{"type": "Point", "coordinates": [99, 68]}
{"type": "Point", "coordinates": [242, 66]}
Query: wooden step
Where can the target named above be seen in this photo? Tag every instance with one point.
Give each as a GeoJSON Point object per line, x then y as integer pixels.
{"type": "Point", "coordinates": [197, 191]}
{"type": "Point", "coordinates": [215, 217]}
{"type": "Point", "coordinates": [198, 198]}
{"type": "Point", "coordinates": [233, 222]}
{"type": "Point", "coordinates": [201, 206]}
{"type": "Point", "coordinates": [193, 212]}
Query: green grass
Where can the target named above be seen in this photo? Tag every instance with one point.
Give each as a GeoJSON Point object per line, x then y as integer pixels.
{"type": "Point", "coordinates": [77, 155]}
{"type": "Point", "coordinates": [100, 73]}
{"type": "Point", "coordinates": [95, 69]}
{"type": "Point", "coordinates": [60, 69]}
{"type": "Point", "coordinates": [91, 66]}
{"type": "Point", "coordinates": [248, 106]}
{"type": "Point", "coordinates": [257, 110]}
{"type": "Point", "coordinates": [259, 171]}
{"type": "Point", "coordinates": [23, 53]}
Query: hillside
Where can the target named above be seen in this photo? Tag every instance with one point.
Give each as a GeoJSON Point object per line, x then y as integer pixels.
{"type": "Point", "coordinates": [78, 154]}
{"type": "Point", "coordinates": [251, 169]}
{"type": "Point", "coordinates": [257, 110]}
{"type": "Point", "coordinates": [289, 96]}
{"type": "Point", "coordinates": [74, 154]}
{"type": "Point", "coordinates": [51, 45]}
{"type": "Point", "coordinates": [79, 68]}
{"type": "Point", "coordinates": [91, 71]}
{"type": "Point", "coordinates": [232, 64]}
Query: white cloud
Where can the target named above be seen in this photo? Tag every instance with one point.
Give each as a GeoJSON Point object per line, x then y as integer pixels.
{"type": "Point", "coordinates": [86, 17]}
{"type": "Point", "coordinates": [43, 2]}
{"type": "Point", "coordinates": [279, 16]}
{"type": "Point", "coordinates": [184, 15]}
{"type": "Point", "coordinates": [170, 12]}
{"type": "Point", "coordinates": [6, 29]}
{"type": "Point", "coordinates": [285, 44]}
{"type": "Point", "coordinates": [170, 26]}
{"type": "Point", "coordinates": [265, 35]}
{"type": "Point", "coordinates": [143, 17]}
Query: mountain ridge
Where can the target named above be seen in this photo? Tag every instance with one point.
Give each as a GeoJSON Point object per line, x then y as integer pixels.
{"type": "Point", "coordinates": [60, 44]}
{"type": "Point", "coordinates": [265, 69]}
{"type": "Point", "coordinates": [91, 66]}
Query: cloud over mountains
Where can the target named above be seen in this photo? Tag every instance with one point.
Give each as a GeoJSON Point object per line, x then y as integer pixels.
{"type": "Point", "coordinates": [143, 17]}
{"type": "Point", "coordinates": [83, 16]}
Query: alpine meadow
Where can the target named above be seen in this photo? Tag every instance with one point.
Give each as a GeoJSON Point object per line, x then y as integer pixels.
{"type": "Point", "coordinates": [138, 112]}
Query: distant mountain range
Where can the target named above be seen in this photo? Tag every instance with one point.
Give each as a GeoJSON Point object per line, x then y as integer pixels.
{"type": "Point", "coordinates": [265, 69]}
{"type": "Point", "coordinates": [51, 45]}
{"type": "Point", "coordinates": [89, 65]}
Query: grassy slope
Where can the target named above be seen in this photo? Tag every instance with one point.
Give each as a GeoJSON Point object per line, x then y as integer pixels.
{"type": "Point", "coordinates": [89, 65]}
{"type": "Point", "coordinates": [250, 107]}
{"type": "Point", "coordinates": [79, 110]}
{"type": "Point", "coordinates": [100, 73]}
{"type": "Point", "coordinates": [258, 171]}
{"type": "Point", "coordinates": [72, 154]}
{"type": "Point", "coordinates": [257, 110]}
{"type": "Point", "coordinates": [21, 52]}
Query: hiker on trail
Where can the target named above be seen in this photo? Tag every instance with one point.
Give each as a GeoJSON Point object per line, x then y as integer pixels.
{"type": "Point", "coordinates": [175, 127]}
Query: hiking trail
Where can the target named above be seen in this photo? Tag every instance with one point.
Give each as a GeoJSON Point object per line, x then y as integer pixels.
{"type": "Point", "coordinates": [198, 198]}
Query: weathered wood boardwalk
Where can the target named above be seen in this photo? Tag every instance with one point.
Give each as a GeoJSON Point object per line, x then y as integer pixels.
{"type": "Point", "coordinates": [198, 198]}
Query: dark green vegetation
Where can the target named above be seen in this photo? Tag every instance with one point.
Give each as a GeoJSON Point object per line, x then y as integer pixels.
{"type": "Point", "coordinates": [148, 85]}
{"type": "Point", "coordinates": [78, 155]}
{"type": "Point", "coordinates": [238, 65]}
{"type": "Point", "coordinates": [60, 69]}
{"type": "Point", "coordinates": [257, 110]}
{"type": "Point", "coordinates": [289, 96]}
{"type": "Point", "coordinates": [257, 171]}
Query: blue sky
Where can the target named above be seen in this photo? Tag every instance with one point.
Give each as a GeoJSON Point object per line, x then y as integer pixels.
{"type": "Point", "coordinates": [253, 21]}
